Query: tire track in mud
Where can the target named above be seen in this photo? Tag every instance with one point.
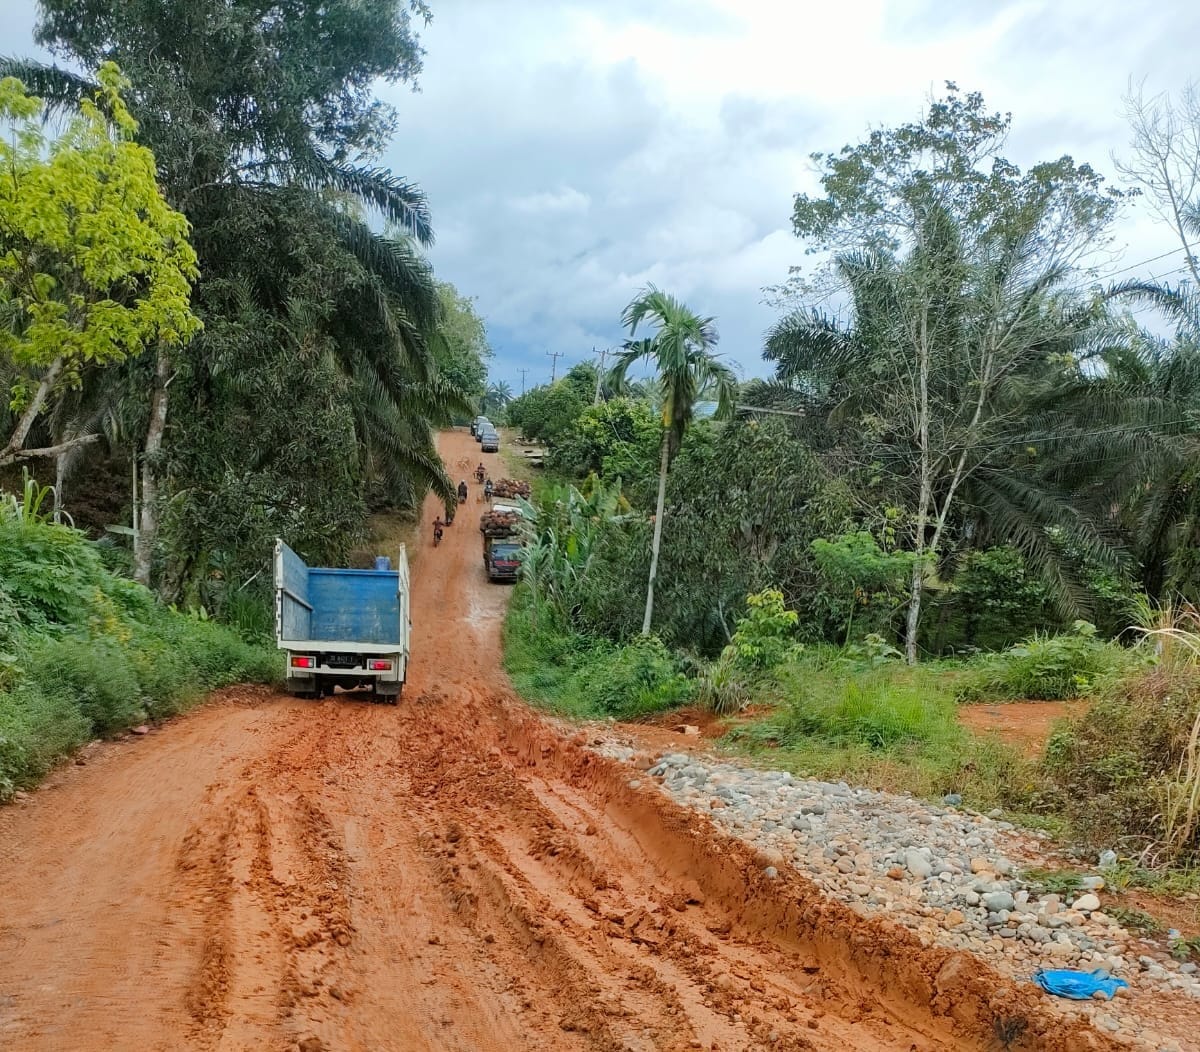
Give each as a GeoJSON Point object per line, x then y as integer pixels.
{"type": "Point", "coordinates": [454, 873]}
{"type": "Point", "coordinates": [267, 886]}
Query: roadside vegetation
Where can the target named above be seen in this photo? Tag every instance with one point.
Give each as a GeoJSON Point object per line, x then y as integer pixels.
{"type": "Point", "coordinates": [970, 485]}
{"type": "Point", "coordinates": [87, 653]}
{"type": "Point", "coordinates": [303, 324]}
{"type": "Point", "coordinates": [974, 481]}
{"type": "Point", "coordinates": [217, 327]}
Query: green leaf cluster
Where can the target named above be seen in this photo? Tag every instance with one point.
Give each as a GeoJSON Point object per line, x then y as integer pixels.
{"type": "Point", "coordinates": [94, 264]}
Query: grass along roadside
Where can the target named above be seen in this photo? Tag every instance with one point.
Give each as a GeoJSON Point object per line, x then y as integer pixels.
{"type": "Point", "coordinates": [1123, 773]}
{"type": "Point", "coordinates": [891, 728]}
{"type": "Point", "coordinates": [582, 678]}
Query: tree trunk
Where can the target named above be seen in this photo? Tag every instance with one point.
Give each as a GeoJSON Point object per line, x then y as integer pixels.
{"type": "Point", "coordinates": [926, 495]}
{"type": "Point", "coordinates": [148, 528]}
{"type": "Point", "coordinates": [13, 449]}
{"type": "Point", "coordinates": [60, 475]}
{"type": "Point", "coordinates": [914, 607]}
{"type": "Point", "coordinates": [658, 525]}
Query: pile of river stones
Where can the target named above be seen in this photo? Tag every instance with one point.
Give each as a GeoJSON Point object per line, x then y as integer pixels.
{"type": "Point", "coordinates": [947, 873]}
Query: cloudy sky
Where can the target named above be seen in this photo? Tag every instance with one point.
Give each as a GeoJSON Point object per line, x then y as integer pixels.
{"type": "Point", "coordinates": [574, 150]}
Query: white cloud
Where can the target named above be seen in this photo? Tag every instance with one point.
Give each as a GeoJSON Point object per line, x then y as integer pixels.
{"type": "Point", "coordinates": [573, 150]}
{"type": "Point", "coordinates": [567, 199]}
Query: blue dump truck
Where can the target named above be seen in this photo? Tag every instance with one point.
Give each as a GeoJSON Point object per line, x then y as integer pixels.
{"type": "Point", "coordinates": [342, 628]}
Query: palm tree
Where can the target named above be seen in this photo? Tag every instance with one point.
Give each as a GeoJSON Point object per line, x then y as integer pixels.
{"type": "Point", "coordinates": [945, 422]}
{"type": "Point", "coordinates": [687, 371]}
{"type": "Point", "coordinates": [497, 395]}
{"type": "Point", "coordinates": [1135, 450]}
{"type": "Point", "coordinates": [223, 157]}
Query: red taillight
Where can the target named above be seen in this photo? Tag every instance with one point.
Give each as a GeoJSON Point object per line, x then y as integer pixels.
{"type": "Point", "coordinates": [380, 666]}
{"type": "Point", "coordinates": [304, 662]}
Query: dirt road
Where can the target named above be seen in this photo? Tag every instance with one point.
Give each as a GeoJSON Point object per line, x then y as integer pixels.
{"type": "Point", "coordinates": [452, 873]}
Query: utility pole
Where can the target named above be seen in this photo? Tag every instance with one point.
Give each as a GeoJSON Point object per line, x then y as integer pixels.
{"type": "Point", "coordinates": [599, 374]}
{"type": "Point", "coordinates": [554, 355]}
{"type": "Point", "coordinates": [523, 372]}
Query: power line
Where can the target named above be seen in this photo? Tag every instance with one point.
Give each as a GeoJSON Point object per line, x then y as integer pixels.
{"type": "Point", "coordinates": [523, 372]}
{"type": "Point", "coordinates": [554, 356]}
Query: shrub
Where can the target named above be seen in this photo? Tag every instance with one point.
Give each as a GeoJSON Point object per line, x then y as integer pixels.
{"type": "Point", "coordinates": [862, 579]}
{"type": "Point", "coordinates": [993, 602]}
{"type": "Point", "coordinates": [1119, 768]}
{"type": "Point", "coordinates": [84, 652]}
{"type": "Point", "coordinates": [725, 687]}
{"type": "Point", "coordinates": [584, 677]}
{"type": "Point", "coordinates": [36, 729]}
{"type": "Point", "coordinates": [870, 711]}
{"type": "Point", "coordinates": [762, 641]}
{"type": "Point", "coordinates": [764, 638]}
{"type": "Point", "coordinates": [1046, 667]}
{"type": "Point", "coordinates": [50, 573]}
{"type": "Point", "coordinates": [638, 679]}
{"type": "Point", "coordinates": [97, 674]}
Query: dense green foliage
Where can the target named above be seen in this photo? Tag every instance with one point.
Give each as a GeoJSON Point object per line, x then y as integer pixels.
{"type": "Point", "coordinates": [617, 439]}
{"type": "Point", "coordinates": [548, 412]}
{"type": "Point", "coordinates": [324, 343]}
{"type": "Point", "coordinates": [589, 677]}
{"type": "Point", "coordinates": [94, 265]}
{"type": "Point", "coordinates": [460, 345]}
{"type": "Point", "coordinates": [1046, 667]}
{"type": "Point", "coordinates": [85, 652]}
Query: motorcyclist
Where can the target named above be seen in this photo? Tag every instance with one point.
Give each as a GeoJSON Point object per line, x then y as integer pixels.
{"type": "Point", "coordinates": [462, 491]}
{"type": "Point", "coordinates": [480, 472]}
{"type": "Point", "coordinates": [488, 489]}
{"type": "Point", "coordinates": [437, 530]}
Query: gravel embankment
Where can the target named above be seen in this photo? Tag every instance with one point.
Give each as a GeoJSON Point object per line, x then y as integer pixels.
{"type": "Point", "coordinates": [947, 873]}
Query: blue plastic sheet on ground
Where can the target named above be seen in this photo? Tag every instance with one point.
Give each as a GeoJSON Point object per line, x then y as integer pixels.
{"type": "Point", "coordinates": [1079, 986]}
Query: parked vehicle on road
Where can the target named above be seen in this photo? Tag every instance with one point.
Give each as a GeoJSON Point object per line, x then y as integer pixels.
{"type": "Point", "coordinates": [342, 628]}
{"type": "Point", "coordinates": [481, 425]}
{"type": "Point", "coordinates": [490, 441]}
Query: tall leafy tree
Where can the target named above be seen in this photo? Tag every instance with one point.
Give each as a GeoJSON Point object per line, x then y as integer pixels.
{"type": "Point", "coordinates": [460, 346]}
{"type": "Point", "coordinates": [957, 266]}
{"type": "Point", "coordinates": [94, 264]}
{"type": "Point", "coordinates": [681, 353]}
{"type": "Point", "coordinates": [265, 126]}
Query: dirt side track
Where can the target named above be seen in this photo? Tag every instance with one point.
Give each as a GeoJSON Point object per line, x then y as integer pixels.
{"type": "Point", "coordinates": [452, 873]}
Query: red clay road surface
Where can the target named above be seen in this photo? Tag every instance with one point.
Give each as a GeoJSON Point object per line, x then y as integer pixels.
{"type": "Point", "coordinates": [451, 873]}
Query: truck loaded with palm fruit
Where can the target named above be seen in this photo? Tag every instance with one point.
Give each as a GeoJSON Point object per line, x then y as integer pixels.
{"type": "Point", "coordinates": [500, 526]}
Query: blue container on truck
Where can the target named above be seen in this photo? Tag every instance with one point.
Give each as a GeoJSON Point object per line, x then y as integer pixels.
{"type": "Point", "coordinates": [342, 628]}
